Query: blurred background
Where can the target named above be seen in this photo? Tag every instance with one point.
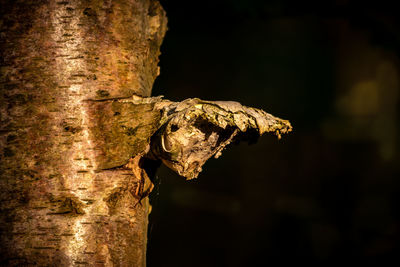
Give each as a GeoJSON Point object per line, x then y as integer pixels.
{"type": "Point", "coordinates": [328, 193]}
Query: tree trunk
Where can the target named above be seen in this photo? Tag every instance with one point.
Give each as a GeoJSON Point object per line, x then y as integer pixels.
{"type": "Point", "coordinates": [79, 130]}
{"type": "Point", "coordinates": [65, 197]}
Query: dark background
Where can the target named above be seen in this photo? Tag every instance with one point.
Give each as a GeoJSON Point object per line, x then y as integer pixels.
{"type": "Point", "coordinates": [328, 193]}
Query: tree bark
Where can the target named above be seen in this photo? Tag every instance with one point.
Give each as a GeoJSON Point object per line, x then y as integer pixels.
{"type": "Point", "coordinates": [62, 201]}
{"type": "Point", "coordinates": [79, 130]}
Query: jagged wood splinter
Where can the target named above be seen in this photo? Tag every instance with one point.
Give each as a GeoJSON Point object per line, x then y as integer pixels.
{"type": "Point", "coordinates": [192, 131]}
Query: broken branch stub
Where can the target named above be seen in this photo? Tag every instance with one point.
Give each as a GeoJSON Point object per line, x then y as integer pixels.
{"type": "Point", "coordinates": [194, 130]}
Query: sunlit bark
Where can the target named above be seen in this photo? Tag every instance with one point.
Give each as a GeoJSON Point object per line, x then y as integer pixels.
{"type": "Point", "coordinates": [79, 130]}
{"type": "Point", "coordinates": [58, 205]}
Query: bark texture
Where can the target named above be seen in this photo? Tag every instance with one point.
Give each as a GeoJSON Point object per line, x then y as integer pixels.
{"type": "Point", "coordinates": [78, 129]}
{"type": "Point", "coordinates": [62, 202]}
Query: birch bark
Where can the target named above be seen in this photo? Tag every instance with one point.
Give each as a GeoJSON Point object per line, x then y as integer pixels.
{"type": "Point", "coordinates": [79, 128]}
{"type": "Point", "coordinates": [57, 206]}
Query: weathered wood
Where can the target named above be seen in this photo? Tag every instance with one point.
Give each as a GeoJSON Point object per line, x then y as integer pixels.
{"type": "Point", "coordinates": [192, 131]}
